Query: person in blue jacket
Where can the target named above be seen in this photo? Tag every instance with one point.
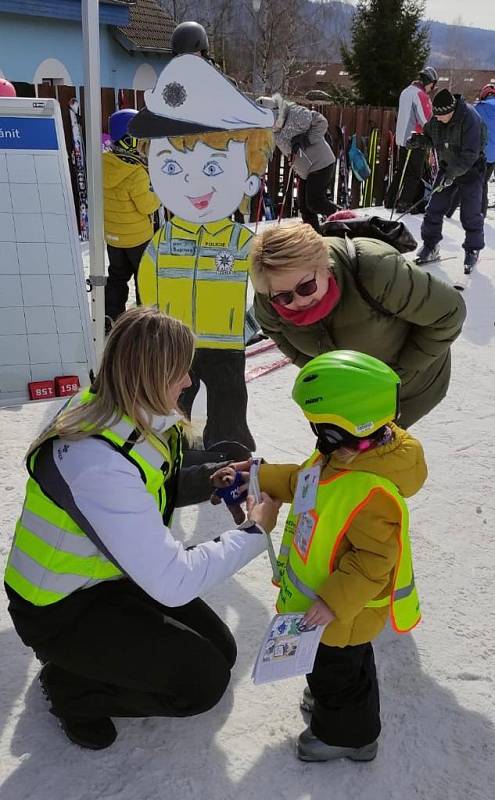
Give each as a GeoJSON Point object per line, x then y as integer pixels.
{"type": "Point", "coordinates": [486, 109]}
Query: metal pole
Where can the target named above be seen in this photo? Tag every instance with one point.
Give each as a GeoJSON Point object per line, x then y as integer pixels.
{"type": "Point", "coordinates": [92, 116]}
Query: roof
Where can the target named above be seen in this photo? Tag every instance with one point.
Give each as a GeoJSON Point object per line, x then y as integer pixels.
{"type": "Point", "coordinates": [465, 81]}
{"type": "Point", "coordinates": [149, 29]}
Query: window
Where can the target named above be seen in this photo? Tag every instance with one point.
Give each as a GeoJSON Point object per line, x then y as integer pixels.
{"type": "Point", "coordinates": [343, 73]}
{"type": "Point", "coordinates": [468, 80]}
{"type": "Point", "coordinates": [321, 72]}
{"type": "Point", "coordinates": [53, 81]}
{"type": "Point", "coordinates": [443, 79]}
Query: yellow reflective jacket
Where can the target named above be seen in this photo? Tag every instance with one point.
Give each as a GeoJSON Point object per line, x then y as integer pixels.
{"type": "Point", "coordinates": [366, 557]}
{"type": "Point", "coordinates": [128, 202]}
{"type": "Point", "coordinates": [199, 274]}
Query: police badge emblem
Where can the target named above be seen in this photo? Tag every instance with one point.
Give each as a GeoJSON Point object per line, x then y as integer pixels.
{"type": "Point", "coordinates": [224, 262]}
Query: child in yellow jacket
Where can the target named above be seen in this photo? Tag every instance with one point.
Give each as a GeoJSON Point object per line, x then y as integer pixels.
{"type": "Point", "coordinates": [129, 205]}
{"type": "Point", "coordinates": [345, 557]}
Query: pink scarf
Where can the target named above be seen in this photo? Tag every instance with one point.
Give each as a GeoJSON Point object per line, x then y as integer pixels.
{"type": "Point", "coordinates": [307, 316]}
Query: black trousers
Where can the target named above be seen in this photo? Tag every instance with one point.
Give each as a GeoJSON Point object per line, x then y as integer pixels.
{"type": "Point", "coordinates": [123, 265]}
{"type": "Point", "coordinates": [222, 372]}
{"type": "Point", "coordinates": [470, 194]}
{"type": "Point", "coordinates": [488, 174]}
{"type": "Point", "coordinates": [313, 198]}
{"type": "Point", "coordinates": [412, 186]}
{"type": "Point", "coordinates": [125, 655]}
{"type": "Point", "coordinates": [347, 703]}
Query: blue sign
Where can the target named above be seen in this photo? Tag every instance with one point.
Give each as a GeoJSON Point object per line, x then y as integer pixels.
{"type": "Point", "coordinates": [28, 133]}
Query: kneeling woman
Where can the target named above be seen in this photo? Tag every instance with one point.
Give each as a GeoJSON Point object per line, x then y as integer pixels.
{"type": "Point", "coordinates": [98, 587]}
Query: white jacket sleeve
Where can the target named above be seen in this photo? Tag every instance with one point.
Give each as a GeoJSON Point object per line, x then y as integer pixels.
{"type": "Point", "coordinates": [111, 495]}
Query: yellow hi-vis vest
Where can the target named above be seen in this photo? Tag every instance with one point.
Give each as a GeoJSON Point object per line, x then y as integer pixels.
{"type": "Point", "coordinates": [311, 541]}
{"type": "Point", "coordinates": [51, 556]}
{"type": "Point", "coordinates": [199, 274]}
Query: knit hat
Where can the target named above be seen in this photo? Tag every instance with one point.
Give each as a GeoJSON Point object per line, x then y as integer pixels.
{"type": "Point", "coordinates": [443, 103]}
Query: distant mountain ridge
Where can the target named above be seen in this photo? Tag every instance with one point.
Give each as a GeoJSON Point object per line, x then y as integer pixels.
{"type": "Point", "coordinates": [451, 45]}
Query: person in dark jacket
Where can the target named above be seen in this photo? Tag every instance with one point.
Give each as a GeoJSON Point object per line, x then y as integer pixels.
{"type": "Point", "coordinates": [313, 297]}
{"type": "Point", "coordinates": [458, 135]}
{"type": "Point", "coordinates": [486, 109]}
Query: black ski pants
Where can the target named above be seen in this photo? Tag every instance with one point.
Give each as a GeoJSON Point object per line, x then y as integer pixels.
{"type": "Point", "coordinates": [222, 372]}
{"type": "Point", "coordinates": [123, 265]}
{"type": "Point", "coordinates": [313, 198]}
{"type": "Point", "coordinates": [470, 195]}
{"type": "Point", "coordinates": [345, 688]}
{"type": "Point", "coordinates": [488, 174]}
{"type": "Point", "coordinates": [412, 186]}
{"type": "Point", "coordinates": [126, 655]}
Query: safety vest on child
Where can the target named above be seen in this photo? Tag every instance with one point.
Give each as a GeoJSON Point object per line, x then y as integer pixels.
{"type": "Point", "coordinates": [51, 555]}
{"type": "Point", "coordinates": [311, 541]}
{"type": "Point", "coordinates": [198, 274]}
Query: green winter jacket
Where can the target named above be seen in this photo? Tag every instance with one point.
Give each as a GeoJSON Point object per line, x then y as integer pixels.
{"type": "Point", "coordinates": [426, 316]}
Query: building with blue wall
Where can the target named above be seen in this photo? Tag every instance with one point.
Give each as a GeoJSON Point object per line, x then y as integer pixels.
{"type": "Point", "coordinates": [41, 41]}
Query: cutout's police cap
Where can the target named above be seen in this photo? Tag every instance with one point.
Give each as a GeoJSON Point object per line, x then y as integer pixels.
{"type": "Point", "coordinates": [192, 96]}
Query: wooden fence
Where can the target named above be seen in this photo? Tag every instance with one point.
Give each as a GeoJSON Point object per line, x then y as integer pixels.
{"type": "Point", "coordinates": [359, 120]}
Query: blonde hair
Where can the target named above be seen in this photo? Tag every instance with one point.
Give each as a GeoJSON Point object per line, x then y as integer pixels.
{"type": "Point", "coordinates": [145, 354]}
{"type": "Point", "coordinates": [259, 148]}
{"type": "Point", "coordinates": [282, 248]}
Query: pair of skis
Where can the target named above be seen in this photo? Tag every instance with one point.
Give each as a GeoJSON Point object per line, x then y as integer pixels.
{"type": "Point", "coordinates": [79, 167]}
{"type": "Point", "coordinates": [369, 186]}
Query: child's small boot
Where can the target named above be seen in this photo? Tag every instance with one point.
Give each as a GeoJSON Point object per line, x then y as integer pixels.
{"type": "Point", "coordinates": [310, 748]}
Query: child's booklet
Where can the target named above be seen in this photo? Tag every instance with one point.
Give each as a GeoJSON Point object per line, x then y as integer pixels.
{"type": "Point", "coordinates": [288, 649]}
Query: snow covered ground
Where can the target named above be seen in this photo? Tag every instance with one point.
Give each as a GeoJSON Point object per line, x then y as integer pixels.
{"type": "Point", "coordinates": [437, 689]}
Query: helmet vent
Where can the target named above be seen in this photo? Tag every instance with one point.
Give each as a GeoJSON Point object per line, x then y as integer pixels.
{"type": "Point", "coordinates": [309, 378]}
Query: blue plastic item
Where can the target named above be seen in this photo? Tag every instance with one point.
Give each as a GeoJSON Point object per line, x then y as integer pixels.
{"type": "Point", "coordinates": [357, 160]}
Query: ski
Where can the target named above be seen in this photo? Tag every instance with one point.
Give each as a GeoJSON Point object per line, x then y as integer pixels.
{"type": "Point", "coordinates": [258, 372]}
{"type": "Point", "coordinates": [259, 347]}
{"type": "Point", "coordinates": [343, 199]}
{"type": "Point", "coordinates": [79, 165]}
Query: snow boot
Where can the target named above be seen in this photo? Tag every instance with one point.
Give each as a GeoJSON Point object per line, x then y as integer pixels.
{"type": "Point", "coordinates": [310, 748]}
{"type": "Point", "coordinates": [307, 701]}
{"type": "Point", "coordinates": [93, 734]}
{"type": "Point", "coordinates": [426, 255]}
{"type": "Point", "coordinates": [470, 260]}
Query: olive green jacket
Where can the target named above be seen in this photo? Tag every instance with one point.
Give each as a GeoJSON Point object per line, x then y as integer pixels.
{"type": "Point", "coordinates": [425, 316]}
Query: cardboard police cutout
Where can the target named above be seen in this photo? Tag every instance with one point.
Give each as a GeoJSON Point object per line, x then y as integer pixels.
{"type": "Point", "coordinates": [209, 148]}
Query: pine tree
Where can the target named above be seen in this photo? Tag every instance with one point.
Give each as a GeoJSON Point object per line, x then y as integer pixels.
{"type": "Point", "coordinates": [389, 46]}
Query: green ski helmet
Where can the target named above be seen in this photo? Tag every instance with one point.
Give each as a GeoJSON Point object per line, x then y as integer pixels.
{"type": "Point", "coordinates": [351, 390]}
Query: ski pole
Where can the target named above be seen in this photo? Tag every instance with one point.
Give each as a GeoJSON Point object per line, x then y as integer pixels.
{"type": "Point", "coordinates": [414, 205]}
{"type": "Point", "coordinates": [260, 201]}
{"type": "Point", "coordinates": [284, 198]}
{"type": "Point", "coordinates": [401, 186]}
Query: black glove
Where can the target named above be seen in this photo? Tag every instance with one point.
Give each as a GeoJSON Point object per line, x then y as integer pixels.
{"type": "Point", "coordinates": [301, 140]}
{"type": "Point", "coordinates": [416, 142]}
{"type": "Point", "coordinates": [444, 183]}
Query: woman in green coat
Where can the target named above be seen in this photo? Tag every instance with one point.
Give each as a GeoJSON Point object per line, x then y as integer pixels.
{"type": "Point", "coordinates": [314, 295]}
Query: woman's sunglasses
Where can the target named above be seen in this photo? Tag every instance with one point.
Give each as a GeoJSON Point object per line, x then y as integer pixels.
{"type": "Point", "coordinates": [304, 289]}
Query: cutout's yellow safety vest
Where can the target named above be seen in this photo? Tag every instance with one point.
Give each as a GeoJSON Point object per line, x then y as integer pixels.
{"type": "Point", "coordinates": [51, 555]}
{"type": "Point", "coordinates": [199, 274]}
{"type": "Point", "coordinates": [311, 541]}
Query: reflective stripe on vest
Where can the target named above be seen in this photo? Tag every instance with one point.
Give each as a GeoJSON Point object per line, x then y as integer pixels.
{"type": "Point", "coordinates": [51, 555]}
{"type": "Point", "coordinates": [203, 285]}
{"type": "Point", "coordinates": [310, 544]}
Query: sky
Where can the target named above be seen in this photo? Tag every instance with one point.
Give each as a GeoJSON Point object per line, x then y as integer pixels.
{"type": "Point", "coordinates": [473, 12]}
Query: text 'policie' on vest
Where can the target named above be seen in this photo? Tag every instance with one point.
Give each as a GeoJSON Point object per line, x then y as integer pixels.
{"type": "Point", "coordinates": [311, 540]}
{"type": "Point", "coordinates": [198, 274]}
{"type": "Point", "coordinates": [52, 555]}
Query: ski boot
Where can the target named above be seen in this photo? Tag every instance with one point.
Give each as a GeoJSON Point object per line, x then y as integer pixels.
{"type": "Point", "coordinates": [426, 255]}
{"type": "Point", "coordinates": [310, 748]}
{"type": "Point", "coordinates": [91, 733]}
{"type": "Point", "coordinates": [470, 260]}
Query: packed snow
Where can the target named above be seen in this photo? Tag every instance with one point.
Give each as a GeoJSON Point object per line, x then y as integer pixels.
{"type": "Point", "coordinates": [437, 692]}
